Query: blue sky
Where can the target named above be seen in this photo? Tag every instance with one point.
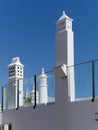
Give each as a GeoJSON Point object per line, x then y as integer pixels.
{"type": "Point", "coordinates": [27, 30]}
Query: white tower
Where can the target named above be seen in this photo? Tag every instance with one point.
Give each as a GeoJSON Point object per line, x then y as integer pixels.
{"type": "Point", "coordinates": [43, 92]}
{"type": "Point", "coordinates": [15, 72]}
{"type": "Point", "coordinates": [65, 50]}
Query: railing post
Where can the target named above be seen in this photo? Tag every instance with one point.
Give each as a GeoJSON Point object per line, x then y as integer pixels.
{"type": "Point", "coordinates": [93, 81]}
{"type": "Point", "coordinates": [34, 91]}
{"type": "Point", "coordinates": [2, 100]}
{"type": "Point", "coordinates": [17, 89]}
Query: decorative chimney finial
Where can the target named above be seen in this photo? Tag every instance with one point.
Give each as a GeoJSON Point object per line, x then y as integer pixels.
{"type": "Point", "coordinates": [43, 71]}
{"type": "Point", "coordinates": [63, 12]}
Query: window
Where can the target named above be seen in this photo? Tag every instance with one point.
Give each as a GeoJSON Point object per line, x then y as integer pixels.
{"type": "Point", "coordinates": [13, 67]}
{"type": "Point", "coordinates": [18, 67]}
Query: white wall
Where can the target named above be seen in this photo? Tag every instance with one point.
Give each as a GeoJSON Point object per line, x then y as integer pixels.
{"type": "Point", "coordinates": [81, 115]}
{"type": "Point", "coordinates": [0, 114]}
{"type": "Point", "coordinates": [78, 115]}
{"type": "Point", "coordinates": [29, 118]}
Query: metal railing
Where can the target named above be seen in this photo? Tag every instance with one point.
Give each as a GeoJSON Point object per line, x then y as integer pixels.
{"type": "Point", "coordinates": [85, 79]}
{"type": "Point", "coordinates": [27, 92]}
{"type": "Point", "coordinates": [35, 90]}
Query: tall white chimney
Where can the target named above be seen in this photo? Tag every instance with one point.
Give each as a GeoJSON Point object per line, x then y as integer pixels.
{"type": "Point", "coordinates": [43, 92]}
{"type": "Point", "coordinates": [65, 50]}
